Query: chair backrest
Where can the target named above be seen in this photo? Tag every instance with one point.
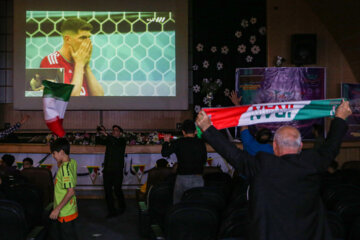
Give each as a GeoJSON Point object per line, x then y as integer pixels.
{"type": "Point", "coordinates": [12, 221]}
{"type": "Point", "coordinates": [219, 179]}
{"type": "Point", "coordinates": [348, 209]}
{"type": "Point", "coordinates": [210, 196]}
{"type": "Point", "coordinates": [239, 192]}
{"type": "Point", "coordinates": [41, 178]}
{"type": "Point", "coordinates": [350, 176]}
{"type": "Point", "coordinates": [351, 165]}
{"type": "Point", "coordinates": [160, 199]}
{"type": "Point", "coordinates": [238, 199]}
{"type": "Point", "coordinates": [333, 194]}
{"type": "Point", "coordinates": [208, 170]}
{"type": "Point", "coordinates": [235, 225]}
{"type": "Point", "coordinates": [336, 225]}
{"type": "Point", "coordinates": [29, 197]}
{"type": "Point", "coordinates": [354, 232]}
{"type": "Point", "coordinates": [191, 221]}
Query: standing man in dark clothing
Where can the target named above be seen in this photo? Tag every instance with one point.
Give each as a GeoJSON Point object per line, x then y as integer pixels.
{"type": "Point", "coordinates": [113, 170]}
{"type": "Point", "coordinates": [191, 157]}
{"type": "Point", "coordinates": [284, 199]}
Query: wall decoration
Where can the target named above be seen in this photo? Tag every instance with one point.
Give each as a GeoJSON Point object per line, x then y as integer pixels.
{"type": "Point", "coordinates": [225, 36]}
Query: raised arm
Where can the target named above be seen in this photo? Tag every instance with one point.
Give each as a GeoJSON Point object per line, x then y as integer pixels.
{"type": "Point", "coordinates": [330, 148]}
{"type": "Point", "coordinates": [234, 98]}
{"type": "Point", "coordinates": [249, 142]}
{"type": "Point", "coordinates": [167, 148]}
{"type": "Point", "coordinates": [12, 129]}
{"type": "Point", "coordinates": [239, 159]}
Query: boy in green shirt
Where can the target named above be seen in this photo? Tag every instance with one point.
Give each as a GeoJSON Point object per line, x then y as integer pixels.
{"type": "Point", "coordinates": [65, 207]}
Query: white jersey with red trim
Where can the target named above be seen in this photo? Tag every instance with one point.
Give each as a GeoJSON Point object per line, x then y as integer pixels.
{"type": "Point", "coordinates": [55, 60]}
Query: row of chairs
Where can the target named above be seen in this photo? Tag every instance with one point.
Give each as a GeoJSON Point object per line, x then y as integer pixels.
{"type": "Point", "coordinates": [341, 196]}
{"type": "Point", "coordinates": [205, 212]}
{"type": "Point", "coordinates": [25, 205]}
{"type": "Point", "coordinates": [210, 212]}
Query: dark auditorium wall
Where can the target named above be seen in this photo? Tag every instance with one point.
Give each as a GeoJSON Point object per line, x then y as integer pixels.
{"type": "Point", "coordinates": [342, 23]}
{"type": "Point", "coordinates": [285, 18]}
{"type": "Point", "coordinates": [225, 35]}
{"type": "Point", "coordinates": [300, 16]}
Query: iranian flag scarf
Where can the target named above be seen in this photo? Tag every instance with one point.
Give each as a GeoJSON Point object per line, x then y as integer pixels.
{"type": "Point", "coordinates": [55, 100]}
{"type": "Point", "coordinates": [271, 112]}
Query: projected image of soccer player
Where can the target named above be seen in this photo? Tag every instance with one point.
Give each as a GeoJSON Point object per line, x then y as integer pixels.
{"type": "Point", "coordinates": [74, 56]}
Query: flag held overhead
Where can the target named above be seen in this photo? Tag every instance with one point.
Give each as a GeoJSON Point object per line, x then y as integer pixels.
{"type": "Point", "coordinates": [55, 100]}
{"type": "Point", "coordinates": [227, 117]}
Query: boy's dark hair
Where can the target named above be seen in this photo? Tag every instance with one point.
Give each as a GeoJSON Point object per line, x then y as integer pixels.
{"type": "Point", "coordinates": [161, 163]}
{"type": "Point", "coordinates": [117, 126]}
{"type": "Point", "coordinates": [74, 25]}
{"type": "Point", "coordinates": [263, 135]}
{"type": "Point", "coordinates": [28, 160]}
{"type": "Point", "coordinates": [188, 126]}
{"type": "Point", "coordinates": [60, 144]}
{"type": "Point", "coordinates": [8, 159]}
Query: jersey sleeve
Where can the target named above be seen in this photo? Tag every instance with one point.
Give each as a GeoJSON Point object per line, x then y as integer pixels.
{"type": "Point", "coordinates": [50, 62]}
{"type": "Point", "coordinates": [69, 180]}
{"type": "Point", "coordinates": [45, 63]}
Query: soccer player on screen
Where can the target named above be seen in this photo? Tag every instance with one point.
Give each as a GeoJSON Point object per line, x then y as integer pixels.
{"type": "Point", "coordinates": [74, 57]}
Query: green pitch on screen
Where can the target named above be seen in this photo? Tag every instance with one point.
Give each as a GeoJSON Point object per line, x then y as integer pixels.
{"type": "Point", "coordinates": [133, 52]}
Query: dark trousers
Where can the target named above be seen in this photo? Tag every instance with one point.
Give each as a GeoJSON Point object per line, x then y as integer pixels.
{"type": "Point", "coordinates": [113, 183]}
{"type": "Point", "coordinates": [63, 231]}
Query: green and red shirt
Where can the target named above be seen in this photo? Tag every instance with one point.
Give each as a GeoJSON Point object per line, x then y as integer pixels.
{"type": "Point", "coordinates": [66, 178]}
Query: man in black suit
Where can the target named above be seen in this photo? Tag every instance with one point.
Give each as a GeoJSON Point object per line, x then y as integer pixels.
{"type": "Point", "coordinates": [285, 201]}
{"type": "Point", "coordinates": [113, 170]}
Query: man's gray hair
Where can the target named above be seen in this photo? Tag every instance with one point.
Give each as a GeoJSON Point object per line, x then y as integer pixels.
{"type": "Point", "coordinates": [287, 140]}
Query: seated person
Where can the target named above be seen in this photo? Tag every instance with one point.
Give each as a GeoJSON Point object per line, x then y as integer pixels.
{"type": "Point", "coordinates": [259, 143]}
{"type": "Point", "coordinates": [7, 162]}
{"type": "Point", "coordinates": [263, 136]}
{"type": "Point", "coordinates": [28, 163]}
{"type": "Point", "coordinates": [160, 163]}
{"type": "Point", "coordinates": [191, 157]}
